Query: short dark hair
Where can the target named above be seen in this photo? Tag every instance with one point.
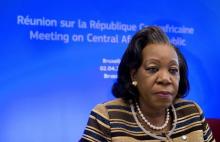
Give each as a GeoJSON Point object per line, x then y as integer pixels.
{"type": "Point", "coordinates": [132, 60]}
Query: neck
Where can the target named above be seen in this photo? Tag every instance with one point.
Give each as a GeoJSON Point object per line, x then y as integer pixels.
{"type": "Point", "coordinates": [150, 111]}
{"type": "Point", "coordinates": [156, 116]}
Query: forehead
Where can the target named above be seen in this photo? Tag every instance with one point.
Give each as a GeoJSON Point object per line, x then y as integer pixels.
{"type": "Point", "coordinates": [161, 52]}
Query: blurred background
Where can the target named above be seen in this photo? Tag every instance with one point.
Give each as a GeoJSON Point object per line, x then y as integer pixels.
{"type": "Point", "coordinates": [58, 59]}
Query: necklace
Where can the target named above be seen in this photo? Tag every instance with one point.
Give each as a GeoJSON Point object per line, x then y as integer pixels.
{"type": "Point", "coordinates": [151, 125]}
{"type": "Point", "coordinates": [150, 133]}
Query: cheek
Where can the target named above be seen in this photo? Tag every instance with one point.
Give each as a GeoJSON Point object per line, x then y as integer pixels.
{"type": "Point", "coordinates": [176, 82]}
{"type": "Point", "coordinates": [146, 83]}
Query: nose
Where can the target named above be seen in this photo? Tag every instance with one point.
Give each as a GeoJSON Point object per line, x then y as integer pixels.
{"type": "Point", "coordinates": [164, 77]}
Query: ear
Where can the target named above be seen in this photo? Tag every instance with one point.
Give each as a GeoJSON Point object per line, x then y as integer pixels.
{"type": "Point", "coordinates": [133, 74]}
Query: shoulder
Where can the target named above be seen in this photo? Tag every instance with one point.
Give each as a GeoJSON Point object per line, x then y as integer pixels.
{"type": "Point", "coordinates": [183, 105]}
{"type": "Point", "coordinates": [190, 118]}
{"type": "Point", "coordinates": [115, 104]}
{"type": "Point", "coordinates": [118, 101]}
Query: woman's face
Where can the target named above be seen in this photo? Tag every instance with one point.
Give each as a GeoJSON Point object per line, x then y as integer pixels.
{"type": "Point", "coordinates": [158, 76]}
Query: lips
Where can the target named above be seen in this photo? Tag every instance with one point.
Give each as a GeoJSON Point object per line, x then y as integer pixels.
{"type": "Point", "coordinates": [164, 94]}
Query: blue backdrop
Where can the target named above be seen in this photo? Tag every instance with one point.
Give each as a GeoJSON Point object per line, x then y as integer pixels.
{"type": "Point", "coordinates": [59, 59]}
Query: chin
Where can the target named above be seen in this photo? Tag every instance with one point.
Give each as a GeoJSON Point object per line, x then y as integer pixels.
{"type": "Point", "coordinates": [165, 104]}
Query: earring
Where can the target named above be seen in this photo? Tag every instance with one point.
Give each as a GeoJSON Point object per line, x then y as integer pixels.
{"type": "Point", "coordinates": [134, 83]}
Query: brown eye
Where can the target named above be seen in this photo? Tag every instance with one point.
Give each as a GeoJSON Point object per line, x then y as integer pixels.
{"type": "Point", "coordinates": [152, 69]}
{"type": "Point", "coordinates": [173, 71]}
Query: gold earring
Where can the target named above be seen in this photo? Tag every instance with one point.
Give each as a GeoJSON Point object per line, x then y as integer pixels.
{"type": "Point", "coordinates": [134, 83]}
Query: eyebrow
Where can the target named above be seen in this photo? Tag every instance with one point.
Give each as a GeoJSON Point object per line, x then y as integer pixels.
{"type": "Point", "coordinates": [174, 62]}
{"type": "Point", "coordinates": [151, 60]}
{"type": "Point", "coordinates": [156, 61]}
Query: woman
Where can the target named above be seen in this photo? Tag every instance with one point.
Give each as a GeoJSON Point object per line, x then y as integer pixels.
{"type": "Point", "coordinates": [152, 79]}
